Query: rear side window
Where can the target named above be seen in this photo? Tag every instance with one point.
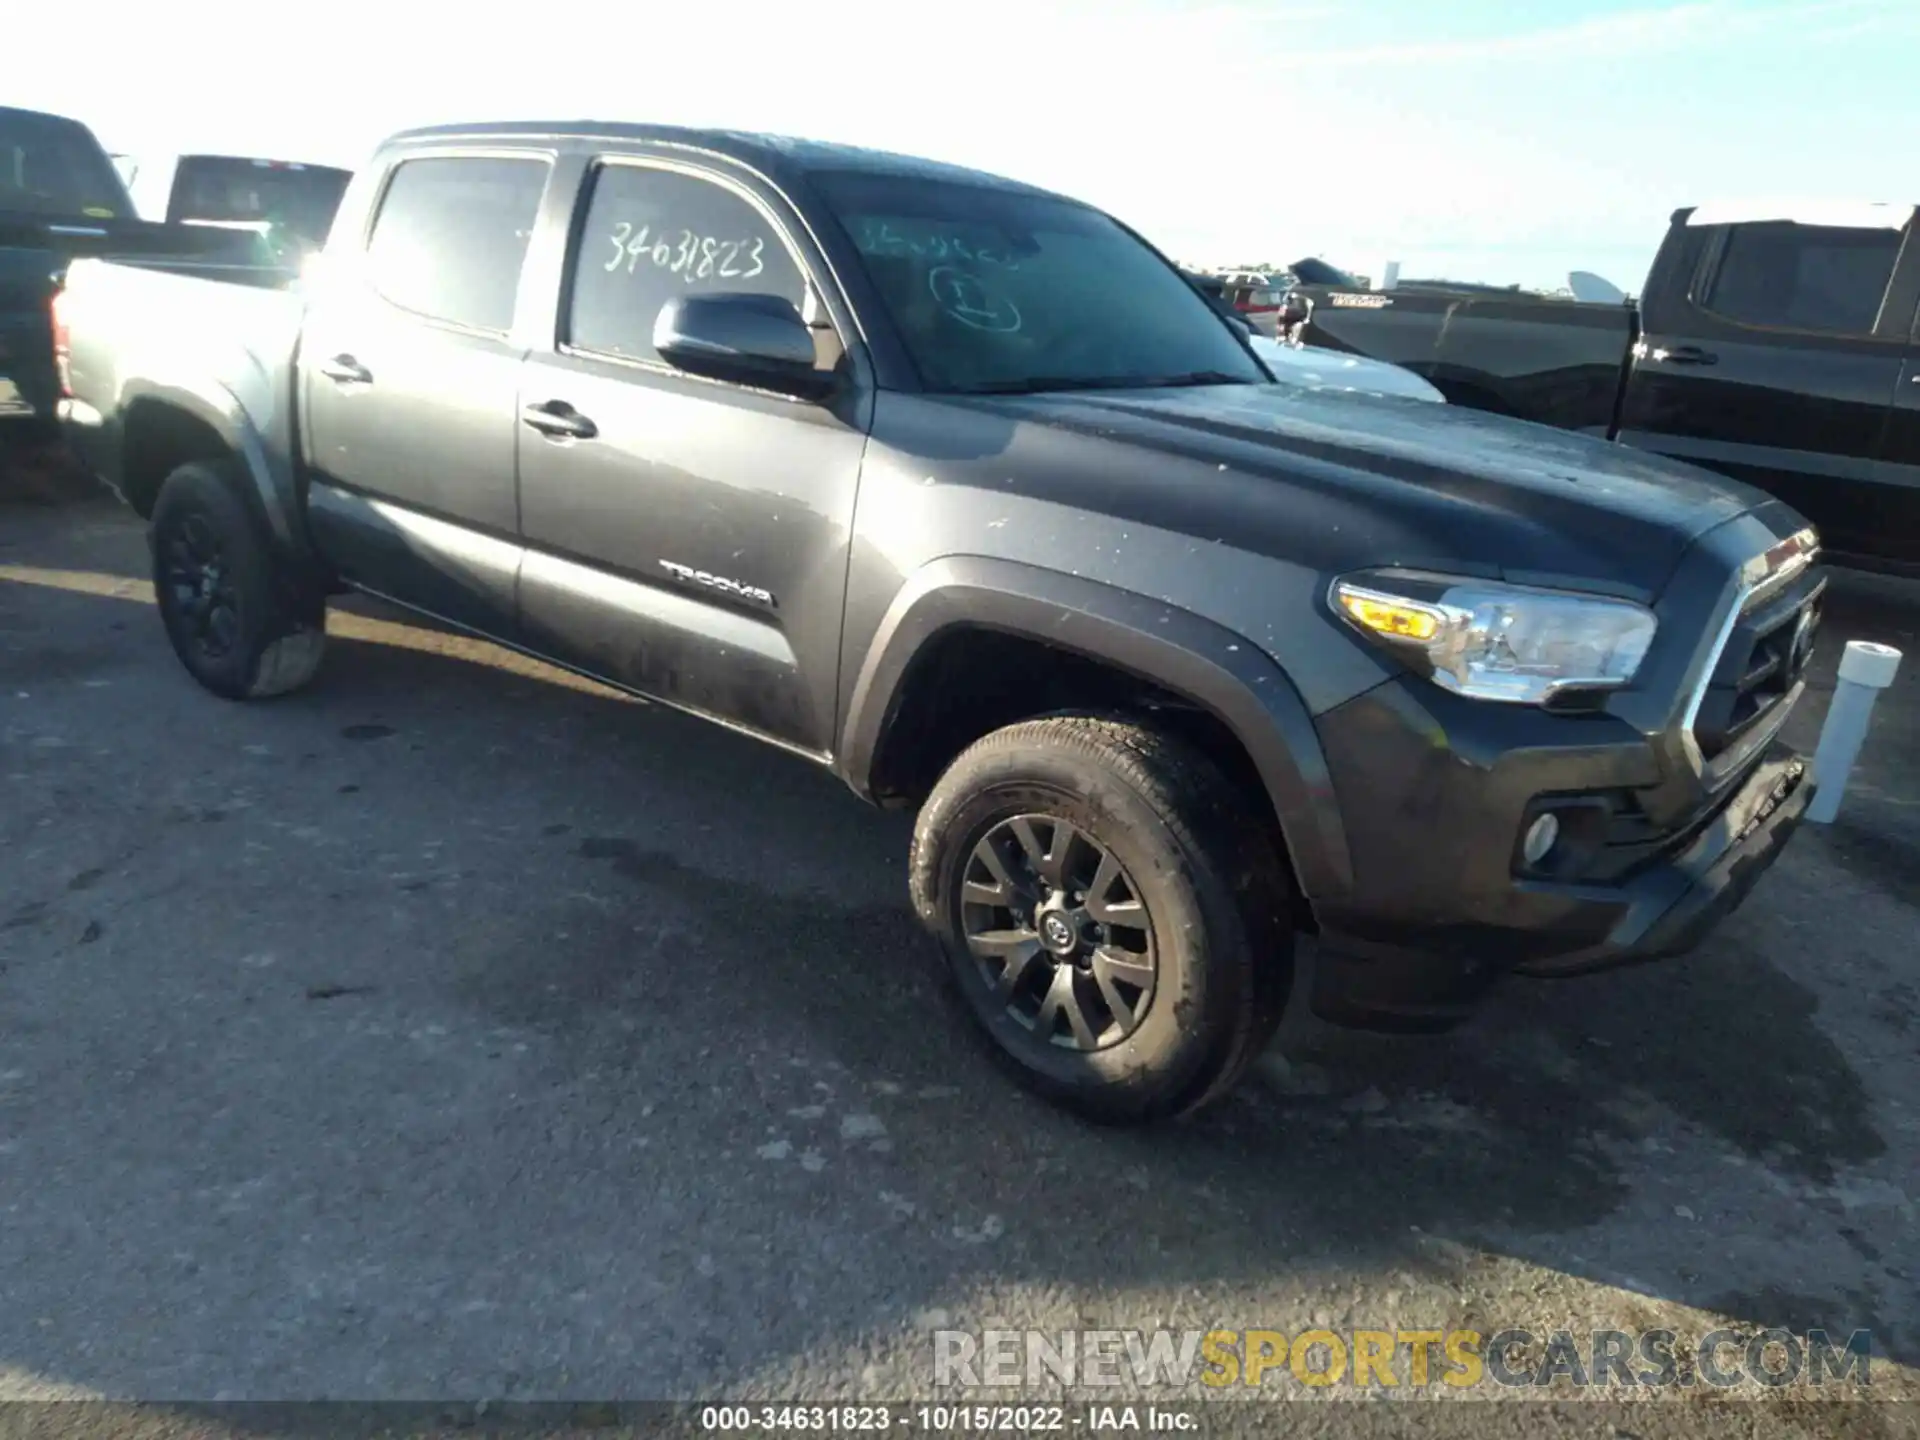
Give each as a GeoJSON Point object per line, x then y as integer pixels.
{"type": "Point", "coordinates": [653, 234]}
{"type": "Point", "coordinates": [1804, 277]}
{"type": "Point", "coordinates": [451, 234]}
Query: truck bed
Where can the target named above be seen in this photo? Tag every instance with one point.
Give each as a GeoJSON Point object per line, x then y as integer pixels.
{"type": "Point", "coordinates": [35, 253]}
{"type": "Point", "coordinates": [1560, 362]}
{"type": "Point", "coordinates": [221, 336]}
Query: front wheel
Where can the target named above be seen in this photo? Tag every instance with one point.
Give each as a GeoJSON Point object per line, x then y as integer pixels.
{"type": "Point", "coordinates": [243, 627]}
{"type": "Point", "coordinates": [1111, 917]}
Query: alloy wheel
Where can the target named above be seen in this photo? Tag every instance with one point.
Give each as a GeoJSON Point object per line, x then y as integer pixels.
{"type": "Point", "coordinates": [1058, 932]}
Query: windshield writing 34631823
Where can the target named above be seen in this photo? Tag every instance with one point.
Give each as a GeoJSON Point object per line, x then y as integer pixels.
{"type": "Point", "coordinates": [683, 253]}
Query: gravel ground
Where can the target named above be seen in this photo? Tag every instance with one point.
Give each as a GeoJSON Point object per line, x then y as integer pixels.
{"type": "Point", "coordinates": [460, 1029]}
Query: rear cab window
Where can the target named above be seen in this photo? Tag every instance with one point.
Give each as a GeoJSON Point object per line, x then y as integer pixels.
{"type": "Point", "coordinates": [299, 199]}
{"type": "Point", "coordinates": [650, 233]}
{"type": "Point", "coordinates": [1827, 280]}
{"type": "Point", "coordinates": [451, 234]}
{"type": "Point", "coordinates": [54, 167]}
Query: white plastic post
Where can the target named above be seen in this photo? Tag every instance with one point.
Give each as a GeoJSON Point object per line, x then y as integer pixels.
{"type": "Point", "coordinates": [1390, 275]}
{"type": "Point", "coordinates": [1865, 670]}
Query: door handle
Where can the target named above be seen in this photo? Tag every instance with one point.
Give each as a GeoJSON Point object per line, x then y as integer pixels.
{"type": "Point", "coordinates": [347, 371]}
{"type": "Point", "coordinates": [1686, 355]}
{"type": "Point", "coordinates": [559, 419]}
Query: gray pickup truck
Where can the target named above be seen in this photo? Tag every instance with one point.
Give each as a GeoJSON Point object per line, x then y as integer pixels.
{"type": "Point", "coordinates": [855, 454]}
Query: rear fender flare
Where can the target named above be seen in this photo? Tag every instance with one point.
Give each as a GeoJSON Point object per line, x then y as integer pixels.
{"type": "Point", "coordinates": [269, 480]}
{"type": "Point", "coordinates": [1175, 649]}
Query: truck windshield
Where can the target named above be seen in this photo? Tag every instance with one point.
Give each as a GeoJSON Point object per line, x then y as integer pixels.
{"type": "Point", "coordinates": [297, 201]}
{"type": "Point", "coordinates": [996, 291]}
{"type": "Point", "coordinates": [53, 166]}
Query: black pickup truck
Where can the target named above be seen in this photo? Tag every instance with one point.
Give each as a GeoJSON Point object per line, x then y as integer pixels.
{"type": "Point", "coordinates": [855, 454]}
{"type": "Point", "coordinates": [1775, 346]}
{"type": "Point", "coordinates": [61, 197]}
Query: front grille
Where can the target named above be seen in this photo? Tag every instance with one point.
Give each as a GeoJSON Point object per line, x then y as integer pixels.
{"type": "Point", "coordinates": [1765, 654]}
{"type": "Point", "coordinates": [1757, 669]}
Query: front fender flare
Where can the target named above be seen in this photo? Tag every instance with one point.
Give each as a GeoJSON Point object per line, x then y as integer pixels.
{"type": "Point", "coordinates": [1175, 649]}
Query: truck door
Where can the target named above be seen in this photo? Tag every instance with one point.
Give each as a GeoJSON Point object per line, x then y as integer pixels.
{"type": "Point", "coordinates": [409, 371]}
{"type": "Point", "coordinates": [1898, 473]}
{"type": "Point", "coordinates": [685, 537]}
{"type": "Point", "coordinates": [1773, 361]}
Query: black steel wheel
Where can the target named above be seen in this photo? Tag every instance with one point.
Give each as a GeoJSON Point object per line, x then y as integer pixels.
{"type": "Point", "coordinates": [194, 570]}
{"type": "Point", "coordinates": [1112, 918]}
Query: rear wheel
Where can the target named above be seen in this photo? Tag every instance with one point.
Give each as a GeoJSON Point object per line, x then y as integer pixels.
{"type": "Point", "coordinates": [244, 628]}
{"type": "Point", "coordinates": [1112, 918]}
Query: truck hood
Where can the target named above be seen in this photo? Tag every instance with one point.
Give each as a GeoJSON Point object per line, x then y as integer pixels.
{"type": "Point", "coordinates": [1355, 479]}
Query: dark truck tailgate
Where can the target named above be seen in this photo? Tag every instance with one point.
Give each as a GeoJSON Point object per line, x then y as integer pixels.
{"type": "Point", "coordinates": [26, 339]}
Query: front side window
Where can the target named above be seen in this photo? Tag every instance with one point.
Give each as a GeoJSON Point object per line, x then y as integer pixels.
{"type": "Point", "coordinates": [998, 290]}
{"type": "Point", "coordinates": [1804, 277]}
{"type": "Point", "coordinates": [651, 234]}
{"type": "Point", "coordinates": [452, 233]}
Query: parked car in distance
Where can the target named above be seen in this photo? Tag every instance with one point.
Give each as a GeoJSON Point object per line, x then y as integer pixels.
{"type": "Point", "coordinates": [1319, 369]}
{"type": "Point", "coordinates": [1778, 346]}
{"type": "Point", "coordinates": [1294, 364]}
{"type": "Point", "coordinates": [61, 196]}
{"type": "Point", "coordinates": [1256, 296]}
{"type": "Point", "coordinates": [855, 454]}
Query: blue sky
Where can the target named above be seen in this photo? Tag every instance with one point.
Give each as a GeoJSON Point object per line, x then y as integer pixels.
{"type": "Point", "coordinates": [1479, 139]}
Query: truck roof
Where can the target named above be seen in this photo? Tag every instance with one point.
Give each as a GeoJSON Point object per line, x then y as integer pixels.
{"type": "Point", "coordinates": [1836, 214]}
{"type": "Point", "coordinates": [772, 155]}
{"type": "Point", "coordinates": [15, 111]}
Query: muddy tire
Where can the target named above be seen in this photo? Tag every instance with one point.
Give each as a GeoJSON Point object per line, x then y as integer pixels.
{"type": "Point", "coordinates": [1111, 917]}
{"type": "Point", "coordinates": [240, 623]}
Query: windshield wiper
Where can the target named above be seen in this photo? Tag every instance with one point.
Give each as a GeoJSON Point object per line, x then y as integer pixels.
{"type": "Point", "coordinates": [1198, 377]}
{"type": "Point", "coordinates": [1040, 384]}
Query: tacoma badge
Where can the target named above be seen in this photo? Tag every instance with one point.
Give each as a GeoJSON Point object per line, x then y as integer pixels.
{"type": "Point", "coordinates": [719, 582]}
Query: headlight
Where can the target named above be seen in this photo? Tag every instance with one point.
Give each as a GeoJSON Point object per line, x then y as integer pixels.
{"type": "Point", "coordinates": [1498, 642]}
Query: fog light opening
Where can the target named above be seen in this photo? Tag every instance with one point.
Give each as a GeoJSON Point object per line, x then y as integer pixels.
{"type": "Point", "coordinates": [1540, 839]}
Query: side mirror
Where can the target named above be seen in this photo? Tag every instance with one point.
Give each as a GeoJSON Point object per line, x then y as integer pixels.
{"type": "Point", "coordinates": [755, 340]}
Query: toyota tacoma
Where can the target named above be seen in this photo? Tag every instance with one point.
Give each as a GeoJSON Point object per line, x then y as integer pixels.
{"type": "Point", "coordinates": [857, 454]}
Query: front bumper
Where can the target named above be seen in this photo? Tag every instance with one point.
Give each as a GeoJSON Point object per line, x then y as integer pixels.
{"type": "Point", "coordinates": [1434, 806]}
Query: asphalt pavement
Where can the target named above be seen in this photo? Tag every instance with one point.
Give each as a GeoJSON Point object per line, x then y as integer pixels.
{"type": "Point", "coordinates": [457, 1028]}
